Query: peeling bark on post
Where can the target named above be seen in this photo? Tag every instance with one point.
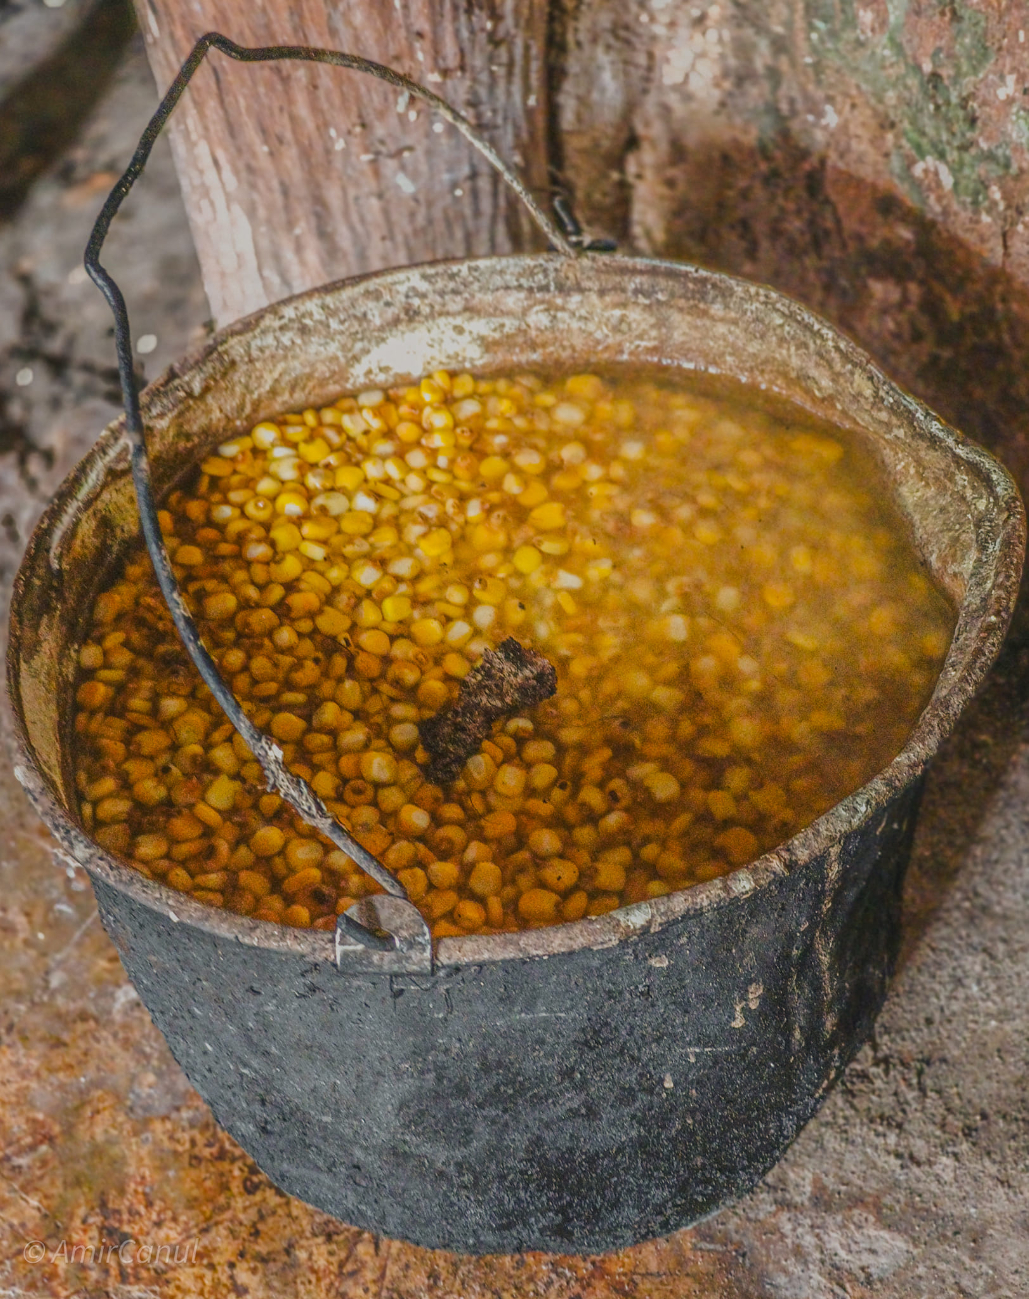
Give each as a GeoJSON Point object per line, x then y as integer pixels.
{"type": "Point", "coordinates": [296, 174]}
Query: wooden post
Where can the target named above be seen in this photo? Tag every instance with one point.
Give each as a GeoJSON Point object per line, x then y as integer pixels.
{"type": "Point", "coordinates": [295, 174]}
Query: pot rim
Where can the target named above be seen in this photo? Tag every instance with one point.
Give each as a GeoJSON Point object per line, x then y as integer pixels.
{"type": "Point", "coordinates": [993, 577]}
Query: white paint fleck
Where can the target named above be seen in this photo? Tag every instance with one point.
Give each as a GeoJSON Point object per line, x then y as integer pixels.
{"type": "Point", "coordinates": [412, 115]}
{"type": "Point", "coordinates": [77, 275]}
{"type": "Point", "coordinates": [1007, 90]}
{"type": "Point", "coordinates": [459, 192]}
{"type": "Point", "coordinates": [403, 99]}
{"type": "Point", "coordinates": [677, 65]}
{"type": "Point", "coordinates": [667, 1083]}
{"type": "Point", "coordinates": [659, 962]}
{"type": "Point", "coordinates": [146, 343]}
{"type": "Point", "coordinates": [927, 166]}
{"type": "Point", "coordinates": [340, 144]}
{"type": "Point", "coordinates": [125, 996]}
{"type": "Point", "coordinates": [437, 128]}
{"type": "Point", "coordinates": [405, 183]}
{"type": "Point", "coordinates": [830, 117]}
{"type": "Point", "coordinates": [24, 376]}
{"type": "Point", "coordinates": [531, 101]}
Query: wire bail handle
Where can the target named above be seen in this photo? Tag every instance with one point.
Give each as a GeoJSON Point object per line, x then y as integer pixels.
{"type": "Point", "coordinates": [296, 791]}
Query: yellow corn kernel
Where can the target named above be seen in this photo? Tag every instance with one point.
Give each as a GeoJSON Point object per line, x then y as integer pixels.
{"type": "Point", "coordinates": [539, 905]}
{"type": "Point", "coordinates": [267, 841]}
{"type": "Point", "coordinates": [455, 665]}
{"type": "Point", "coordinates": [721, 804]}
{"type": "Point", "coordinates": [149, 847]}
{"type": "Point", "coordinates": [374, 641]}
{"type": "Point", "coordinates": [221, 793]}
{"type": "Point", "coordinates": [486, 879]}
{"type": "Point", "coordinates": [574, 906]}
{"type": "Point", "coordinates": [221, 606]}
{"type": "Point", "coordinates": [535, 494]}
{"type": "Point", "coordinates": [367, 614]}
{"type": "Point", "coordinates": [444, 874]}
{"type": "Point", "coordinates": [415, 881]}
{"type": "Point", "coordinates": [396, 608]}
{"type": "Point", "coordinates": [493, 468]}
{"type": "Point", "coordinates": [330, 622]}
{"type": "Point", "coordinates": [285, 570]}
{"type": "Point", "coordinates": [469, 915]}
{"type": "Point", "coordinates": [663, 787]}
{"type": "Point", "coordinates": [254, 882]}
{"type": "Point", "coordinates": [94, 694]}
{"type": "Point", "coordinates": [314, 450]}
{"type": "Point", "coordinates": [287, 727]}
{"type": "Point", "coordinates": [178, 878]}
{"type": "Point", "coordinates": [301, 880]}
{"type": "Point", "coordinates": [738, 844]}
{"type": "Point", "coordinates": [559, 875]}
{"type": "Point", "coordinates": [436, 542]}
{"type": "Point", "coordinates": [285, 537]}
{"type": "Point", "coordinates": [413, 821]}
{"type": "Point", "coordinates": [426, 631]}
{"type": "Point", "coordinates": [113, 809]}
{"type": "Point", "coordinates": [378, 767]}
{"type": "Point", "coordinates": [527, 559]}
{"type": "Point", "coordinates": [545, 843]}
{"type": "Point", "coordinates": [548, 517]}
{"type": "Point", "coordinates": [499, 824]}
{"type": "Point", "coordinates": [541, 776]}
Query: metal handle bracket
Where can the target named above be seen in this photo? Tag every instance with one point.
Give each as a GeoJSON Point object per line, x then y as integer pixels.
{"type": "Point", "coordinates": [408, 950]}
{"type": "Point", "coordinates": [292, 788]}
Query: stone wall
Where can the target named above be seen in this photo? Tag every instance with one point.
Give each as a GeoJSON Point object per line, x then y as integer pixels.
{"type": "Point", "coordinates": [869, 158]}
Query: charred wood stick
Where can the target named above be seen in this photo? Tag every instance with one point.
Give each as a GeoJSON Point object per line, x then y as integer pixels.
{"type": "Point", "coordinates": [506, 680]}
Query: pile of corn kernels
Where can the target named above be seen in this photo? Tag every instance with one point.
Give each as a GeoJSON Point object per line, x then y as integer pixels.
{"type": "Point", "coordinates": [742, 635]}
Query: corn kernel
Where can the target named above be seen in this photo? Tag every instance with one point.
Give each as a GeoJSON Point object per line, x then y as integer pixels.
{"type": "Point", "coordinates": [347, 593]}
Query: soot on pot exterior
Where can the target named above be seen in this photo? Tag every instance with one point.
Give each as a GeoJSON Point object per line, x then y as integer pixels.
{"type": "Point", "coordinates": [577, 1102]}
{"type": "Point", "coordinates": [576, 1088]}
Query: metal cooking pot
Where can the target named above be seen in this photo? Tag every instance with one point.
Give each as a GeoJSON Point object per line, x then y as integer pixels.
{"type": "Point", "coordinates": [577, 1088]}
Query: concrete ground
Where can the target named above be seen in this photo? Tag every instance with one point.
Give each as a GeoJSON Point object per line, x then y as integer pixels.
{"type": "Point", "coordinates": [912, 1182]}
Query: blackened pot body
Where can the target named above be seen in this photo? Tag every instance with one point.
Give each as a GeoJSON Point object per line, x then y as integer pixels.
{"type": "Point", "coordinates": [581, 1087]}
{"type": "Point", "coordinates": [579, 1101]}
